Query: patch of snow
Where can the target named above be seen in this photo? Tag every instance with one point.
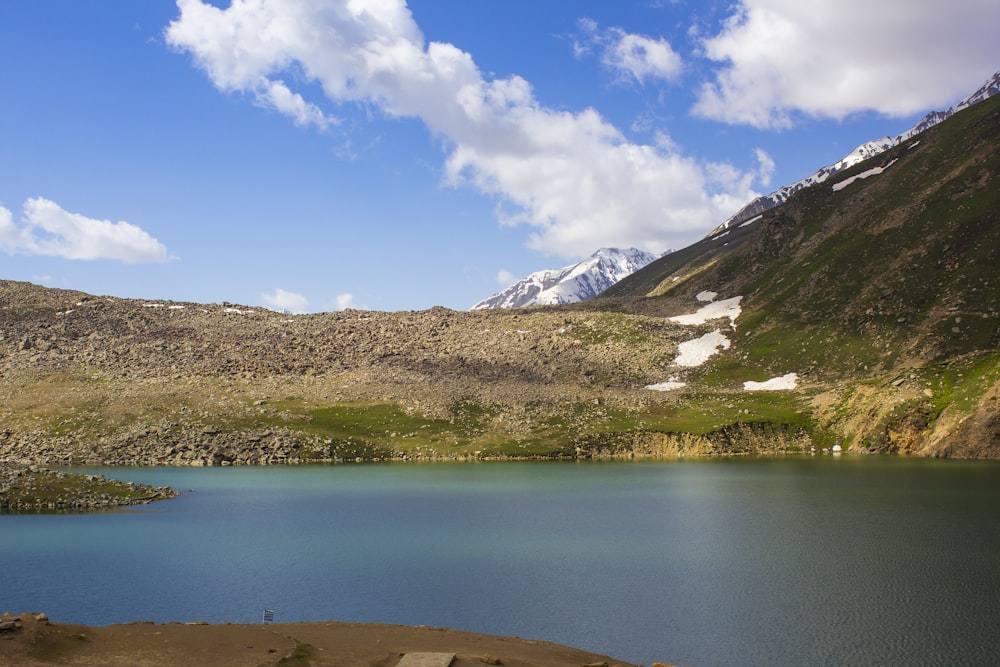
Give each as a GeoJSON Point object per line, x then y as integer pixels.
{"type": "Point", "coordinates": [874, 171]}
{"type": "Point", "coordinates": [789, 381]}
{"type": "Point", "coordinates": [669, 385]}
{"type": "Point", "coordinates": [751, 221]}
{"type": "Point", "coordinates": [706, 296]}
{"type": "Point", "coordinates": [152, 305]}
{"type": "Point", "coordinates": [65, 313]}
{"type": "Point", "coordinates": [699, 350]}
{"type": "Point", "coordinates": [236, 310]}
{"type": "Point", "coordinates": [726, 308]}
{"type": "Point", "coordinates": [913, 145]}
{"type": "Point", "coordinates": [175, 307]}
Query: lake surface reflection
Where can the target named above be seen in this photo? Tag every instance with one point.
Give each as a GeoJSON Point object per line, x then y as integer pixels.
{"type": "Point", "coordinates": [791, 561]}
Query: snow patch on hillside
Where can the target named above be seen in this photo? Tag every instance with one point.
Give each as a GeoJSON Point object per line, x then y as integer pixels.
{"type": "Point", "coordinates": [726, 308]}
{"type": "Point", "coordinates": [788, 381]}
{"type": "Point", "coordinates": [874, 171]}
{"type": "Point", "coordinates": [699, 350]}
{"type": "Point", "coordinates": [670, 385]}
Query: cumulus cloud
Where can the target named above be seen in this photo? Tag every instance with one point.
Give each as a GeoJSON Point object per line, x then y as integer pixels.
{"type": "Point", "coordinates": [505, 278]}
{"type": "Point", "coordinates": [628, 55]}
{"type": "Point", "coordinates": [46, 229]}
{"type": "Point", "coordinates": [642, 57]}
{"type": "Point", "coordinates": [571, 176]}
{"type": "Point", "coordinates": [765, 168]}
{"type": "Point", "coordinates": [344, 301]}
{"type": "Point", "coordinates": [781, 58]}
{"type": "Point", "coordinates": [285, 301]}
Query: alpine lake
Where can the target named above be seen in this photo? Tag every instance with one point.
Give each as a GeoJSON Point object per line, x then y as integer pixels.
{"type": "Point", "coordinates": [828, 560]}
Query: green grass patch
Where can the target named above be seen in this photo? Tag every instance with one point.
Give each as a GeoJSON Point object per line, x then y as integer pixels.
{"type": "Point", "coordinates": [726, 370]}
{"type": "Point", "coordinates": [704, 412]}
{"type": "Point", "coordinates": [301, 656]}
{"type": "Point", "coordinates": [610, 327]}
{"type": "Point", "coordinates": [962, 385]}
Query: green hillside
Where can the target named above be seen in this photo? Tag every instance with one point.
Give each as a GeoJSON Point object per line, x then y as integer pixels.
{"type": "Point", "coordinates": [888, 284]}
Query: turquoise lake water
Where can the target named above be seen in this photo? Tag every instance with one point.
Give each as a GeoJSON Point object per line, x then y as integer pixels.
{"type": "Point", "coordinates": [789, 561]}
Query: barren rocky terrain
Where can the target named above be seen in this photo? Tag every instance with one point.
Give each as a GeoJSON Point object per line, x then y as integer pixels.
{"type": "Point", "coordinates": [90, 379]}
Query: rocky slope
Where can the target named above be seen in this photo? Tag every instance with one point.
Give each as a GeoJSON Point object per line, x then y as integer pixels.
{"type": "Point", "coordinates": [102, 380]}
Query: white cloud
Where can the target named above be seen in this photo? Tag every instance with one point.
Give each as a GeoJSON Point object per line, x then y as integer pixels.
{"type": "Point", "coordinates": [628, 55]}
{"type": "Point", "coordinates": [641, 57]}
{"type": "Point", "coordinates": [505, 278]}
{"type": "Point", "coordinates": [277, 95]}
{"type": "Point", "coordinates": [573, 177]}
{"type": "Point", "coordinates": [780, 58]}
{"type": "Point", "coordinates": [765, 169]}
{"type": "Point", "coordinates": [47, 229]}
{"type": "Point", "coordinates": [344, 301]}
{"type": "Point", "coordinates": [285, 301]}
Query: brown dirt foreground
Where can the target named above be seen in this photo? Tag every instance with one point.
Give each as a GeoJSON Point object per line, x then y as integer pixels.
{"type": "Point", "coordinates": [30, 640]}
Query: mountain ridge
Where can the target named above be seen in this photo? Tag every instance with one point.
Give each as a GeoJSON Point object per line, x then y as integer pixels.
{"type": "Point", "coordinates": [863, 152]}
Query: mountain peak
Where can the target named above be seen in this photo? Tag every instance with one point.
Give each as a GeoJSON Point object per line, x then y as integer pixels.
{"type": "Point", "coordinates": [576, 282]}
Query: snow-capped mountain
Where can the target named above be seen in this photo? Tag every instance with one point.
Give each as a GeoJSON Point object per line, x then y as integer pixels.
{"type": "Point", "coordinates": [866, 150]}
{"type": "Point", "coordinates": [569, 284]}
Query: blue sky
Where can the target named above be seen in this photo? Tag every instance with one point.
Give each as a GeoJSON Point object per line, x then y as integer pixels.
{"type": "Point", "coordinates": [315, 155]}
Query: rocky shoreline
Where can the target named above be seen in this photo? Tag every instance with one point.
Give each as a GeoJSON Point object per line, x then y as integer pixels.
{"type": "Point", "coordinates": [28, 488]}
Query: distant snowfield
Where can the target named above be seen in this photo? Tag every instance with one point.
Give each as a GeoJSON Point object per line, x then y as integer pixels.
{"type": "Point", "coordinates": [788, 381]}
{"type": "Point", "coordinates": [874, 171]}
